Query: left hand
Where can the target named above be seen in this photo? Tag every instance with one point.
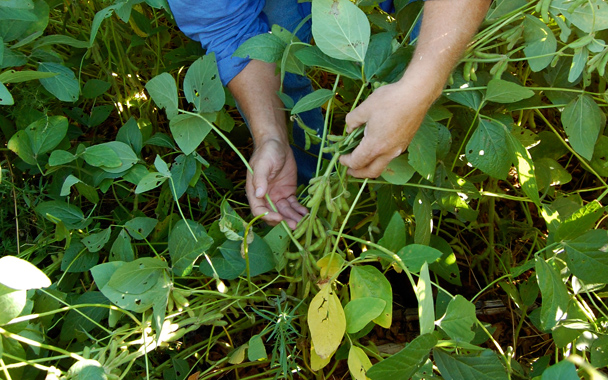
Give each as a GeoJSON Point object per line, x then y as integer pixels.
{"type": "Point", "coordinates": [275, 173]}
{"type": "Point", "coordinates": [392, 116]}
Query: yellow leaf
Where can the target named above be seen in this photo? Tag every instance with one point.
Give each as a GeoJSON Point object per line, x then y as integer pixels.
{"type": "Point", "coordinates": [326, 322]}
{"type": "Point", "coordinates": [358, 363]}
{"type": "Point", "coordinates": [316, 363]}
{"type": "Point", "coordinates": [330, 265]}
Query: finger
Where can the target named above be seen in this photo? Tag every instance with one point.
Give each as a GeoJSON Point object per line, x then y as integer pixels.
{"type": "Point", "coordinates": [287, 211]}
{"type": "Point", "coordinates": [297, 206]}
{"type": "Point", "coordinates": [258, 205]}
{"type": "Point", "coordinates": [261, 174]}
{"type": "Point", "coordinates": [373, 170]}
{"type": "Point", "coordinates": [356, 118]}
{"type": "Point", "coordinates": [361, 157]}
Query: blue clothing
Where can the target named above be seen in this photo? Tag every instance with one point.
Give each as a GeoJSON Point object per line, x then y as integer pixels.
{"type": "Point", "coordinates": [221, 26]}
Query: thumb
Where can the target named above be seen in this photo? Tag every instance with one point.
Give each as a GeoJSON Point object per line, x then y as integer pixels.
{"type": "Point", "coordinates": [260, 179]}
{"type": "Point", "coordinates": [356, 118]}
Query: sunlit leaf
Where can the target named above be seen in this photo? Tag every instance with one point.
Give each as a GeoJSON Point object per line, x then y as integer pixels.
{"type": "Point", "coordinates": [326, 321]}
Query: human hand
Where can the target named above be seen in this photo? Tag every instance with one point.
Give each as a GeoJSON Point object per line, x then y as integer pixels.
{"type": "Point", "coordinates": [275, 173]}
{"type": "Point", "coordinates": [392, 116]}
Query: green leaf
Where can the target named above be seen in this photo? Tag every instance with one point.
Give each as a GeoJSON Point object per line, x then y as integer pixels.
{"type": "Point", "coordinates": [459, 319]}
{"type": "Point", "coordinates": [599, 352]}
{"type": "Point", "coordinates": [150, 181]}
{"type": "Point", "coordinates": [203, 87]}
{"type": "Point", "coordinates": [46, 133]}
{"type": "Point", "coordinates": [415, 255]}
{"type": "Point", "coordinates": [12, 303]}
{"type": "Point", "coordinates": [140, 227]}
{"type": "Point", "coordinates": [161, 166]}
{"type": "Point", "coordinates": [13, 76]}
{"type": "Point", "coordinates": [95, 242]}
{"type": "Point", "coordinates": [189, 131]}
{"type": "Point", "coordinates": [587, 16]}
{"type": "Point", "coordinates": [361, 311]}
{"type": "Point", "coordinates": [405, 363]}
{"type": "Point", "coordinates": [485, 366]}
{"type": "Point", "coordinates": [394, 234]}
{"type": "Point", "coordinates": [94, 88]}
{"type": "Point", "coordinates": [399, 171]}
{"type": "Point", "coordinates": [55, 211]}
{"type": "Point", "coordinates": [131, 135]}
{"type": "Point", "coordinates": [502, 91]}
{"type": "Point", "coordinates": [78, 322]}
{"type": "Point", "coordinates": [18, 274]}
{"type": "Point", "coordinates": [487, 149]}
{"type": "Point", "coordinates": [229, 264]}
{"type": "Point", "coordinates": [313, 56]}
{"type": "Point", "coordinates": [580, 221]}
{"type": "Point", "coordinates": [77, 258]}
{"type": "Point", "coordinates": [540, 43]}
{"type": "Point", "coordinates": [21, 145]}
{"type": "Point", "coordinates": [97, 20]}
{"type": "Point", "coordinates": [61, 39]}
{"type": "Point", "coordinates": [67, 185]}
{"type": "Point", "coordinates": [582, 121]}
{"type": "Point", "coordinates": [87, 369]}
{"type": "Point", "coordinates": [313, 100]}
{"type": "Point", "coordinates": [163, 90]}
{"type": "Point", "coordinates": [187, 243]}
{"type": "Point", "coordinates": [446, 267]}
{"type": "Point", "coordinates": [265, 47]}
{"type": "Point", "coordinates": [423, 149]}
{"type": "Point", "coordinates": [122, 250]}
{"type": "Point", "coordinates": [102, 155]}
{"type": "Point", "coordinates": [64, 85]}
{"type": "Point", "coordinates": [182, 172]}
{"type": "Point", "coordinates": [554, 292]}
{"type": "Point", "coordinates": [60, 157]}
{"type": "Point", "coordinates": [549, 172]}
{"type": "Point", "coordinates": [525, 167]}
{"type": "Point", "coordinates": [367, 281]}
{"type": "Point", "coordinates": [256, 350]}
{"type": "Point", "coordinates": [340, 29]}
{"type": "Point", "coordinates": [380, 49]}
{"type": "Point", "coordinates": [423, 215]}
{"type": "Point", "coordinates": [424, 295]}
{"type": "Point", "coordinates": [136, 277]}
{"type": "Point", "coordinates": [563, 370]}
{"type": "Point", "coordinates": [6, 99]}
{"type": "Point", "coordinates": [588, 257]}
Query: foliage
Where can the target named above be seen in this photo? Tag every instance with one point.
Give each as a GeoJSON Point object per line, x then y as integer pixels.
{"type": "Point", "coordinates": [151, 266]}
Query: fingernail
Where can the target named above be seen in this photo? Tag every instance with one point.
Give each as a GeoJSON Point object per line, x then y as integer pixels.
{"type": "Point", "coordinates": [259, 193]}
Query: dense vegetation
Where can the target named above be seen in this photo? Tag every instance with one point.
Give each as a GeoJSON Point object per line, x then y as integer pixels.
{"type": "Point", "coordinates": [128, 251]}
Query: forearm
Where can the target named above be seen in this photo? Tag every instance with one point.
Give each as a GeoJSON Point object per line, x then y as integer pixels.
{"type": "Point", "coordinates": [447, 28]}
{"type": "Point", "coordinates": [255, 90]}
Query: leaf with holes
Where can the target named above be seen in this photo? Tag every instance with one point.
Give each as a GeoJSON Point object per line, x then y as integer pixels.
{"type": "Point", "coordinates": [340, 29]}
{"type": "Point", "coordinates": [95, 242]}
{"type": "Point", "coordinates": [6, 99]}
{"type": "Point", "coordinates": [326, 322]}
{"type": "Point", "coordinates": [459, 319]}
{"type": "Point", "coordinates": [187, 242]}
{"type": "Point", "coordinates": [138, 276]}
{"type": "Point", "coordinates": [140, 227]}
{"type": "Point", "coordinates": [64, 85]}
{"type": "Point", "coordinates": [182, 172]}
{"type": "Point", "coordinates": [189, 131]}
{"type": "Point", "coordinates": [487, 149]}
{"type": "Point", "coordinates": [150, 181]}
{"type": "Point", "coordinates": [203, 87]}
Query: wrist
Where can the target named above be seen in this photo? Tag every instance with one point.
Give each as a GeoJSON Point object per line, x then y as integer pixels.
{"type": "Point", "coordinates": [425, 83]}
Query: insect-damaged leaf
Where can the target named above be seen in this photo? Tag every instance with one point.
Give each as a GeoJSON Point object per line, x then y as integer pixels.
{"type": "Point", "coordinates": [326, 321]}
